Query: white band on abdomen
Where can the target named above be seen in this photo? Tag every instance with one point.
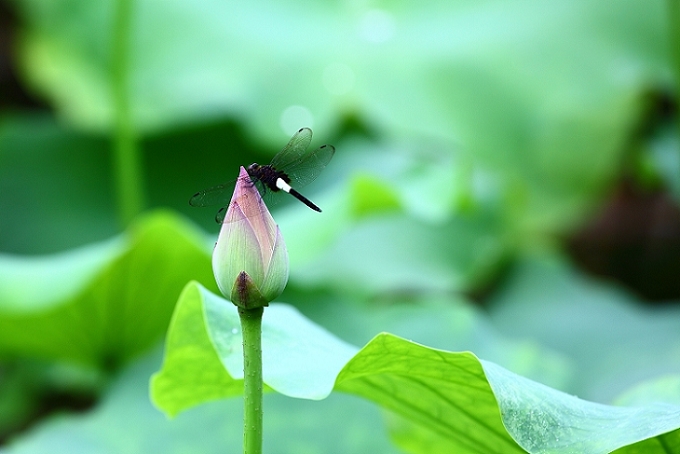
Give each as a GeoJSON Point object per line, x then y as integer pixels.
{"type": "Point", "coordinates": [282, 185]}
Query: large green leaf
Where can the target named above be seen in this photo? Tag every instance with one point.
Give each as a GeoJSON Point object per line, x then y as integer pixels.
{"type": "Point", "coordinates": [453, 399]}
{"type": "Point", "coordinates": [437, 320]}
{"type": "Point", "coordinates": [102, 304]}
{"type": "Point", "coordinates": [204, 322]}
{"type": "Point", "coordinates": [542, 419]}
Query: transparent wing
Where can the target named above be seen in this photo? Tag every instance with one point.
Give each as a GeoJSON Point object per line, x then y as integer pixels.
{"type": "Point", "coordinates": [309, 166]}
{"type": "Point", "coordinates": [217, 195]}
{"type": "Point", "coordinates": [219, 217]}
{"type": "Point", "coordinates": [222, 193]}
{"type": "Point", "coordinates": [294, 149]}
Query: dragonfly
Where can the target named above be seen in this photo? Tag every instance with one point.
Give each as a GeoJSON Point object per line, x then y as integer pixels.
{"type": "Point", "coordinates": [294, 165]}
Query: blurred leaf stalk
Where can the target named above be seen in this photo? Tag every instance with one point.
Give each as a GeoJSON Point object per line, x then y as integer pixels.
{"type": "Point", "coordinates": [127, 159]}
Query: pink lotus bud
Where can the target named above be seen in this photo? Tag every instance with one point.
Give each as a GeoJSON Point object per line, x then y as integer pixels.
{"type": "Point", "coordinates": [250, 260]}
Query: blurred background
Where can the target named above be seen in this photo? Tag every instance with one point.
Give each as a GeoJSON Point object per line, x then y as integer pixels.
{"type": "Point", "coordinates": [506, 181]}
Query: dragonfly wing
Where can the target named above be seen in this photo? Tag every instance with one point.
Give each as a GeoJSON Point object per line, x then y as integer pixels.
{"type": "Point", "coordinates": [217, 195]}
{"type": "Point", "coordinates": [294, 149]}
{"type": "Point", "coordinates": [309, 166]}
{"type": "Point", "coordinates": [219, 217]}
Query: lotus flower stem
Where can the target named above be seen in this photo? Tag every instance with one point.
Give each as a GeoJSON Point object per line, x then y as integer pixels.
{"type": "Point", "coordinates": [251, 328]}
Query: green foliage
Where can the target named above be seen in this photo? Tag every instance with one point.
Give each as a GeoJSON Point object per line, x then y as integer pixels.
{"type": "Point", "coordinates": [193, 371]}
{"type": "Point", "coordinates": [472, 138]}
{"type": "Point", "coordinates": [544, 92]}
{"type": "Point", "coordinates": [464, 403]}
{"type": "Point", "coordinates": [103, 304]}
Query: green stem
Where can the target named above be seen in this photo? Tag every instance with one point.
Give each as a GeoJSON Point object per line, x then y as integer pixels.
{"type": "Point", "coordinates": [674, 19]}
{"type": "Point", "coordinates": [251, 327]}
{"type": "Point", "coordinates": [128, 174]}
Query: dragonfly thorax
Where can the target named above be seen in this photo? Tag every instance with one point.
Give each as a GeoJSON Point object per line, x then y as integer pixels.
{"type": "Point", "coordinates": [267, 175]}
